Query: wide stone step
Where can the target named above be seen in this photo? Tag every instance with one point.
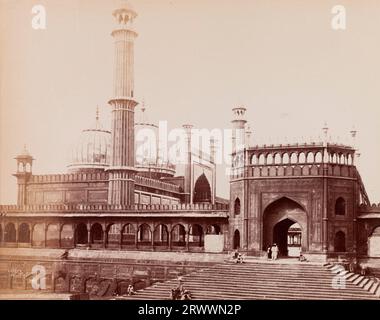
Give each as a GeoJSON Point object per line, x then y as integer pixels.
{"type": "Point", "coordinates": [257, 295]}
{"type": "Point", "coordinates": [256, 286]}
{"type": "Point", "coordinates": [266, 277]}
{"type": "Point", "coordinates": [220, 287]}
{"type": "Point", "coordinates": [245, 280]}
{"type": "Point", "coordinates": [219, 292]}
{"type": "Point", "coordinates": [255, 280]}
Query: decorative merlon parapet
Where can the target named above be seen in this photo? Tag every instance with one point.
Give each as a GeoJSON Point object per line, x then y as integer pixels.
{"type": "Point", "coordinates": [104, 208]}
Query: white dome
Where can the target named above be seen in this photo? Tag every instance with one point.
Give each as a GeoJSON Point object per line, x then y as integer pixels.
{"type": "Point", "coordinates": [148, 156]}
{"type": "Point", "coordinates": [93, 150]}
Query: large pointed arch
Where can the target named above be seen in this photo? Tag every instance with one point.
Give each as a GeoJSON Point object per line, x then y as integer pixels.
{"type": "Point", "coordinates": [278, 216]}
{"type": "Point", "coordinates": [202, 190]}
{"type": "Point", "coordinates": [290, 198]}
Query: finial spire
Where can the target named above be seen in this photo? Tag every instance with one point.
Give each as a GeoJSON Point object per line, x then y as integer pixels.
{"type": "Point", "coordinates": [325, 128]}
{"type": "Point", "coordinates": [143, 105]}
{"type": "Point", "coordinates": [25, 151]}
{"type": "Point", "coordinates": [353, 132]}
{"type": "Point", "coordinates": [97, 117]}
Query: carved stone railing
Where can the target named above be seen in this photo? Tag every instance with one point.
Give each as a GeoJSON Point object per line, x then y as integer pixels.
{"type": "Point", "coordinates": [100, 176]}
{"type": "Point", "coordinates": [104, 208]}
{"type": "Point", "coordinates": [68, 177]}
{"type": "Point", "coordinates": [289, 170]}
{"type": "Point", "coordinates": [298, 154]}
{"type": "Point", "coordinates": [152, 183]}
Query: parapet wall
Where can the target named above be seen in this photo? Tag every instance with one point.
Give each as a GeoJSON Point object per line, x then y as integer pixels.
{"type": "Point", "coordinates": [113, 208]}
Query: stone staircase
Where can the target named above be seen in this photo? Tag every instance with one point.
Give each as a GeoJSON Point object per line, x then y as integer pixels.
{"type": "Point", "coordinates": [268, 280]}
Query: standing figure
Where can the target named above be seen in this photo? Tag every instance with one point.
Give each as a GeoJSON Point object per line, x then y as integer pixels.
{"type": "Point", "coordinates": [274, 252]}
{"type": "Point", "coordinates": [269, 253]}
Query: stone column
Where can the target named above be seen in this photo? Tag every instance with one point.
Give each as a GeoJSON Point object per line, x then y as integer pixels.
{"type": "Point", "coordinates": [170, 239]}
{"type": "Point", "coordinates": [88, 235]}
{"type": "Point", "coordinates": [121, 238]}
{"type": "Point", "coordinates": [188, 165]}
{"type": "Point", "coordinates": [2, 233]}
{"type": "Point", "coordinates": [105, 238]}
{"type": "Point", "coordinates": [136, 238]}
{"type": "Point", "coordinates": [188, 240]}
{"type": "Point", "coordinates": [16, 226]}
{"type": "Point", "coordinates": [325, 235]}
{"type": "Point", "coordinates": [60, 235]}
{"type": "Point", "coordinates": [45, 228]}
{"type": "Point", "coordinates": [31, 235]}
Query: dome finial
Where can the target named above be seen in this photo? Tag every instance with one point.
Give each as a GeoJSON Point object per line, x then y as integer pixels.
{"type": "Point", "coordinates": [143, 108]}
{"type": "Point", "coordinates": [98, 125]}
{"type": "Point", "coordinates": [353, 131]}
{"type": "Point", "coordinates": [325, 128]}
{"type": "Point", "coordinates": [25, 151]}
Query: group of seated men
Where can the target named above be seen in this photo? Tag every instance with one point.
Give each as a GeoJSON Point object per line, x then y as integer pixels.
{"type": "Point", "coordinates": [237, 257]}
{"type": "Point", "coordinates": [180, 293]}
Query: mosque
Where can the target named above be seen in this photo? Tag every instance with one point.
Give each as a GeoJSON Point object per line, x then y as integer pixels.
{"type": "Point", "coordinates": [307, 197]}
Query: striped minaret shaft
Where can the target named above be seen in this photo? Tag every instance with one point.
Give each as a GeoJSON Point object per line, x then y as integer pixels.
{"type": "Point", "coordinates": [122, 171]}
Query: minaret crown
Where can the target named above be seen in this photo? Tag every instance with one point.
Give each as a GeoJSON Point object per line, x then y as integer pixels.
{"type": "Point", "coordinates": [125, 14]}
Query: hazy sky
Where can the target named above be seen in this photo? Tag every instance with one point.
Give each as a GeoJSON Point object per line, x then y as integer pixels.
{"type": "Point", "coordinates": [194, 61]}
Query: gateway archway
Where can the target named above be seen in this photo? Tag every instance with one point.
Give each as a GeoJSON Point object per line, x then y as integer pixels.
{"type": "Point", "coordinates": [285, 223]}
{"type": "Point", "coordinates": [287, 234]}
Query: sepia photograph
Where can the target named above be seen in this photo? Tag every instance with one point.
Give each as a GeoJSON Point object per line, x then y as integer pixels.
{"type": "Point", "coordinates": [189, 150]}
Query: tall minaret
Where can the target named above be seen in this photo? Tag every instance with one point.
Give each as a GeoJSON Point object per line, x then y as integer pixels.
{"type": "Point", "coordinates": [238, 129]}
{"type": "Point", "coordinates": [24, 172]}
{"type": "Point", "coordinates": [122, 171]}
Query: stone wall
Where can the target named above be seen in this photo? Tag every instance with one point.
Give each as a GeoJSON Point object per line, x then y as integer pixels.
{"type": "Point", "coordinates": [82, 273]}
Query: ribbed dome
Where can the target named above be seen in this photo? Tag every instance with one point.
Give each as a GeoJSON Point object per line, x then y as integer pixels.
{"type": "Point", "coordinates": [93, 150]}
{"type": "Point", "coordinates": [147, 150]}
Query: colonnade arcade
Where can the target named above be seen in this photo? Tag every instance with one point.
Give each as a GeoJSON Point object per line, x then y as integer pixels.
{"type": "Point", "coordinates": [108, 235]}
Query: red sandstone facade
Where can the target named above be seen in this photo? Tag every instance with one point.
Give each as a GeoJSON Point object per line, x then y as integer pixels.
{"type": "Point", "coordinates": [108, 200]}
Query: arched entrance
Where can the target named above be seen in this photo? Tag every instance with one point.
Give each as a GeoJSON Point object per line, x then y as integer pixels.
{"type": "Point", "coordinates": [285, 223]}
{"type": "Point", "coordinates": [10, 233]}
{"type": "Point", "coordinates": [202, 190]}
{"type": "Point", "coordinates": [236, 239]}
{"type": "Point", "coordinates": [294, 240]}
{"type": "Point", "coordinates": [24, 233]}
{"type": "Point", "coordinates": [287, 234]}
{"type": "Point", "coordinates": [96, 234]}
{"type": "Point", "coordinates": [81, 234]}
{"type": "Point", "coordinates": [340, 242]}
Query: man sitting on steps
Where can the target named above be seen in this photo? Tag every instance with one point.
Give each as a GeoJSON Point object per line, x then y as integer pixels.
{"type": "Point", "coordinates": [239, 258]}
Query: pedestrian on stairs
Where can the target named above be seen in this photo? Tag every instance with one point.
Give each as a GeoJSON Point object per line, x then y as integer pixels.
{"type": "Point", "coordinates": [131, 290]}
{"type": "Point", "coordinates": [269, 253]}
{"type": "Point", "coordinates": [235, 255]}
{"type": "Point", "coordinates": [274, 252]}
